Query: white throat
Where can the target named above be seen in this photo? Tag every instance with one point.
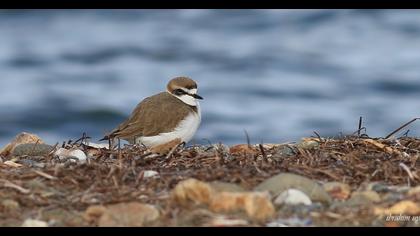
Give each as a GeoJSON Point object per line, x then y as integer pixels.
{"type": "Point", "coordinates": [188, 100]}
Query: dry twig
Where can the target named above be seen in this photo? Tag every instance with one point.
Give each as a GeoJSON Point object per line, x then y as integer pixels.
{"type": "Point", "coordinates": [9, 184]}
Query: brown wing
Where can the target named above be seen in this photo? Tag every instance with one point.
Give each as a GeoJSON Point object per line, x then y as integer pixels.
{"type": "Point", "coordinates": [142, 121]}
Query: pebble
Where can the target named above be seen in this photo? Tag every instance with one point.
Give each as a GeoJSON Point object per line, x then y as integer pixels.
{"type": "Point", "coordinates": [363, 198]}
{"type": "Point", "coordinates": [63, 153]}
{"type": "Point", "coordinates": [192, 190]}
{"type": "Point", "coordinates": [62, 217]}
{"type": "Point", "coordinates": [150, 173]}
{"type": "Point", "coordinates": [132, 214]}
{"type": "Point", "coordinates": [281, 182]}
{"type": "Point", "coordinates": [283, 151]}
{"type": "Point", "coordinates": [404, 207]}
{"type": "Point", "coordinates": [10, 204]}
{"type": "Point", "coordinates": [308, 144]}
{"type": "Point", "coordinates": [32, 163]}
{"type": "Point", "coordinates": [93, 213]}
{"type": "Point", "coordinates": [20, 139]}
{"type": "Point", "coordinates": [414, 192]}
{"type": "Point", "coordinates": [392, 197]}
{"type": "Point", "coordinates": [32, 149]}
{"type": "Point", "coordinates": [34, 223]}
{"type": "Point", "coordinates": [257, 205]}
{"type": "Point", "coordinates": [292, 197]}
{"type": "Point", "coordinates": [337, 190]}
{"type": "Point", "coordinates": [194, 217]}
{"type": "Point", "coordinates": [378, 187]}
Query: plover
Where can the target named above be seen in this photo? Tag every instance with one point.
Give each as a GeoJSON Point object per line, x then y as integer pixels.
{"type": "Point", "coordinates": [164, 119]}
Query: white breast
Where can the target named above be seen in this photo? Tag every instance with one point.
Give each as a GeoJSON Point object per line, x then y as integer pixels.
{"type": "Point", "coordinates": [185, 131]}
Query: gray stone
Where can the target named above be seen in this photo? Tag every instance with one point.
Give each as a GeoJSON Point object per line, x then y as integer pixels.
{"type": "Point", "coordinates": [308, 144]}
{"type": "Point", "coordinates": [363, 198]}
{"type": "Point", "coordinates": [392, 197]}
{"type": "Point", "coordinates": [378, 187]}
{"type": "Point", "coordinates": [32, 163]}
{"type": "Point", "coordinates": [131, 214]}
{"type": "Point", "coordinates": [283, 151]}
{"type": "Point", "coordinates": [10, 204]}
{"type": "Point", "coordinates": [284, 181]}
{"type": "Point", "coordinates": [32, 149]}
{"type": "Point", "coordinates": [302, 209]}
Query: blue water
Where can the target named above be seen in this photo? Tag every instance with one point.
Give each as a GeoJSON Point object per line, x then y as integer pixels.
{"type": "Point", "coordinates": [278, 74]}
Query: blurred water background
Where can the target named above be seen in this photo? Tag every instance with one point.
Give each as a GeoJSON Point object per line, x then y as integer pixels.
{"type": "Point", "coordinates": [278, 74]}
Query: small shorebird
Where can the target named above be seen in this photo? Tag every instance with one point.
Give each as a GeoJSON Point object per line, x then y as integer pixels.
{"type": "Point", "coordinates": [165, 119]}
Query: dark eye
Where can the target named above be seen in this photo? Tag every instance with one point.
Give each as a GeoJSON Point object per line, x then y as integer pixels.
{"type": "Point", "coordinates": [179, 92]}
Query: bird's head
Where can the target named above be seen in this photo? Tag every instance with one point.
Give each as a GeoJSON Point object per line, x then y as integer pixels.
{"type": "Point", "coordinates": [184, 89]}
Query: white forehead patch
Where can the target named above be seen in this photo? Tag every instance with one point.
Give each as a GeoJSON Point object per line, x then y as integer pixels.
{"type": "Point", "coordinates": [192, 91]}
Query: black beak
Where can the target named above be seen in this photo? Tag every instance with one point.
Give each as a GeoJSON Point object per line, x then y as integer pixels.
{"type": "Point", "coordinates": [196, 96]}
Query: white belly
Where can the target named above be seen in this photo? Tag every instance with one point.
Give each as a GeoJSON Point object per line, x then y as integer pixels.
{"type": "Point", "coordinates": [185, 131]}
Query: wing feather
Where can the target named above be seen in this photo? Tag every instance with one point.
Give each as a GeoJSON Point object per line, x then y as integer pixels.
{"type": "Point", "coordinates": [142, 120]}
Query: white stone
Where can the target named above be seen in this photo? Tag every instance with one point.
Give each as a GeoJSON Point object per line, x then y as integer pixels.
{"type": "Point", "coordinates": [34, 223]}
{"type": "Point", "coordinates": [292, 197]}
{"type": "Point", "coordinates": [222, 221]}
{"type": "Point", "coordinates": [61, 152]}
{"type": "Point", "coordinates": [149, 173]}
{"type": "Point", "coordinates": [79, 154]}
{"type": "Point", "coordinates": [76, 153]}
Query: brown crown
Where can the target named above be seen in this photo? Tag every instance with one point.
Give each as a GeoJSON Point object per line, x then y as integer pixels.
{"type": "Point", "coordinates": [181, 82]}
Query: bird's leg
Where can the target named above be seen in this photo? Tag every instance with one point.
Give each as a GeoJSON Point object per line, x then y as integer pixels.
{"type": "Point", "coordinates": [111, 143]}
{"type": "Point", "coordinates": [119, 153]}
{"type": "Point", "coordinates": [165, 147]}
{"type": "Point", "coordinates": [173, 149]}
{"type": "Point", "coordinates": [134, 141]}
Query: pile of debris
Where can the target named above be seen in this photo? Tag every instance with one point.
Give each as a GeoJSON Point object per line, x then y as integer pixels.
{"type": "Point", "coordinates": [348, 181]}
